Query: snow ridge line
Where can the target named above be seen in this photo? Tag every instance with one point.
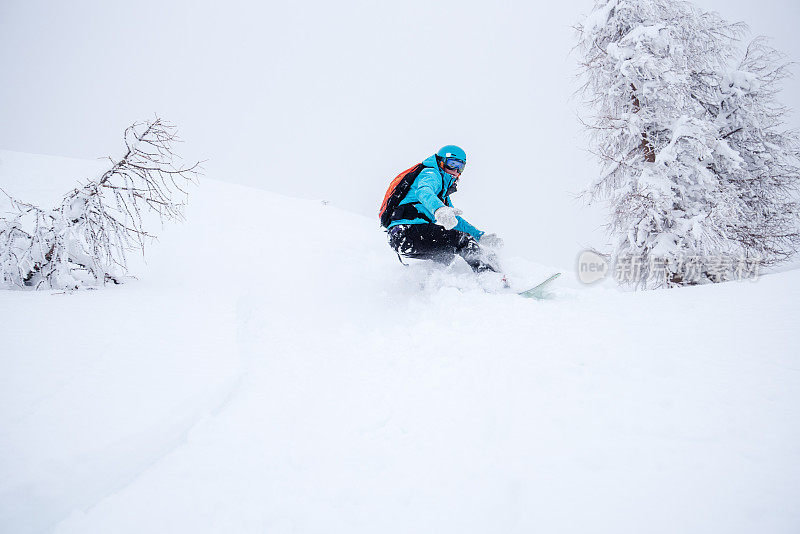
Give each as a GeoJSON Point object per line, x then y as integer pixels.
{"type": "Point", "coordinates": [177, 428]}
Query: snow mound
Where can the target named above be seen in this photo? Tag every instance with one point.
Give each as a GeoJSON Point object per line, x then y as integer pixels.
{"type": "Point", "coordinates": [275, 368]}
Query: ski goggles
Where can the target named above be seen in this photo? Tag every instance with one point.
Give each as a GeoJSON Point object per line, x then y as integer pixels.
{"type": "Point", "coordinates": [454, 164]}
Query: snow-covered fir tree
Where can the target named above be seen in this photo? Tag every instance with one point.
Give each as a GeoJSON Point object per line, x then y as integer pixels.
{"type": "Point", "coordinates": [698, 173]}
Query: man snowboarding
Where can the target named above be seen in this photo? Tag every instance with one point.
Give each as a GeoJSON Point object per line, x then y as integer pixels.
{"type": "Point", "coordinates": [421, 220]}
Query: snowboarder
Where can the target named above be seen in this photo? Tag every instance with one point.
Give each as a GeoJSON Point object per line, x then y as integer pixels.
{"type": "Point", "coordinates": [422, 222]}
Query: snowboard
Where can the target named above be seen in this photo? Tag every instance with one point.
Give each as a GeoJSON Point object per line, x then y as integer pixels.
{"type": "Point", "coordinates": [538, 292]}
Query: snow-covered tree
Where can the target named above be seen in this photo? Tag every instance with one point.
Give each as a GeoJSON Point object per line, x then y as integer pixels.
{"type": "Point", "coordinates": [683, 142]}
{"type": "Point", "coordinates": [752, 122]}
{"type": "Point", "coordinates": [83, 241]}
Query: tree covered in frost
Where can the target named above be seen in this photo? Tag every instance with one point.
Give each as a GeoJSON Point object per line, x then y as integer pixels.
{"type": "Point", "coordinates": [83, 241]}
{"type": "Point", "coordinates": [752, 122]}
{"type": "Point", "coordinates": [696, 165]}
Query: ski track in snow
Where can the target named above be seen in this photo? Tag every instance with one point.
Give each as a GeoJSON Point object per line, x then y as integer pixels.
{"type": "Point", "coordinates": [283, 374]}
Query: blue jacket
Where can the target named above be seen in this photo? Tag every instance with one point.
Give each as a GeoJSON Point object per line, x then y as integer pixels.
{"type": "Point", "coordinates": [424, 194]}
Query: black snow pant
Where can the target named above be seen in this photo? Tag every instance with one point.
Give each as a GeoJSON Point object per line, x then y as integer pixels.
{"type": "Point", "coordinates": [430, 241]}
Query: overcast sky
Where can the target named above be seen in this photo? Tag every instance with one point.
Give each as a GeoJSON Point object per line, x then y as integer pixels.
{"type": "Point", "coordinates": [332, 99]}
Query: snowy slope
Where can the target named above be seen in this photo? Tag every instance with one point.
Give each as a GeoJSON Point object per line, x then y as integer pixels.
{"type": "Point", "coordinates": [275, 369]}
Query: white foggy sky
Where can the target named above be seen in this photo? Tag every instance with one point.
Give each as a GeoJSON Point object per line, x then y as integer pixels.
{"type": "Point", "coordinates": [332, 99]}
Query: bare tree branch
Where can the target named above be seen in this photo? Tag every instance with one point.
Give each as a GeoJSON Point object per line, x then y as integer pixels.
{"type": "Point", "coordinates": [84, 241]}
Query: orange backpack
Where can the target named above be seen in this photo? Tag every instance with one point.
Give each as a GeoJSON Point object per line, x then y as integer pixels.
{"type": "Point", "coordinates": [397, 191]}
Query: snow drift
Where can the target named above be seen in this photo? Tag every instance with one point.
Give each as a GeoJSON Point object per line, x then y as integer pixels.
{"type": "Point", "coordinates": [274, 368]}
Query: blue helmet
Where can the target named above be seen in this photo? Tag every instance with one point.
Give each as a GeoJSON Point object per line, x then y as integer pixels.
{"type": "Point", "coordinates": [452, 151]}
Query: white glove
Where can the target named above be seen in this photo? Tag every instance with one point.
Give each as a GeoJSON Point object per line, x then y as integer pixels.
{"type": "Point", "coordinates": [446, 216]}
{"type": "Point", "coordinates": [491, 241]}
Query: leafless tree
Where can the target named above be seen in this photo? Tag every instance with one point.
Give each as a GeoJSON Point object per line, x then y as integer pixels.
{"type": "Point", "coordinates": [84, 241]}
